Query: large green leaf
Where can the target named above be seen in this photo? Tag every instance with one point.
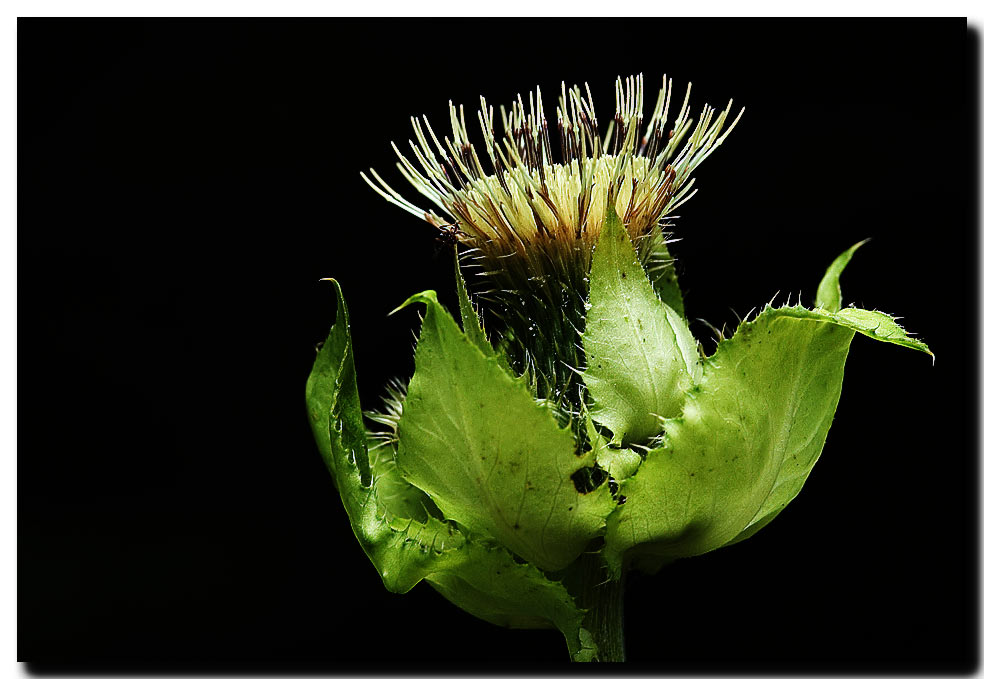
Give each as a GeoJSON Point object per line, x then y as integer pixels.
{"type": "Point", "coordinates": [793, 475]}
{"type": "Point", "coordinates": [766, 401]}
{"type": "Point", "coordinates": [491, 457]}
{"type": "Point", "coordinates": [640, 355]}
{"type": "Point", "coordinates": [749, 435]}
{"type": "Point", "coordinates": [391, 521]}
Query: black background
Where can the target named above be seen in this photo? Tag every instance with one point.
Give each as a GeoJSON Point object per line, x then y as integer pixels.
{"type": "Point", "coordinates": [183, 185]}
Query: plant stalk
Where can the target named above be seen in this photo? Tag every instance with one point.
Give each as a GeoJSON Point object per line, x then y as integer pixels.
{"type": "Point", "coordinates": [604, 600]}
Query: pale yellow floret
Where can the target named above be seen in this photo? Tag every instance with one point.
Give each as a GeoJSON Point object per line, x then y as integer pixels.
{"type": "Point", "coordinates": [523, 193]}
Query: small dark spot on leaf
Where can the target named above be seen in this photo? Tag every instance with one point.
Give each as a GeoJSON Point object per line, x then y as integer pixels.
{"type": "Point", "coordinates": [516, 526]}
{"type": "Point", "coordinates": [620, 500]}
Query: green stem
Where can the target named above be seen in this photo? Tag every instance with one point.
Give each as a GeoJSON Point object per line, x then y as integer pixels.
{"type": "Point", "coordinates": [603, 599]}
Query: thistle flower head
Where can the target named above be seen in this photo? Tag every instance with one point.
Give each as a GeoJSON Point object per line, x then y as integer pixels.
{"type": "Point", "coordinates": [531, 210]}
{"type": "Point", "coordinates": [524, 199]}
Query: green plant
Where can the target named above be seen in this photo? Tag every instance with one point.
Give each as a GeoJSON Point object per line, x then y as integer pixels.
{"type": "Point", "coordinates": [521, 477]}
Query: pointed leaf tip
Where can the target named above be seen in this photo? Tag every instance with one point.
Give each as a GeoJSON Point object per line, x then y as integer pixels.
{"type": "Point", "coordinates": [470, 322]}
{"type": "Point", "coordinates": [829, 292]}
{"type": "Point", "coordinates": [424, 297]}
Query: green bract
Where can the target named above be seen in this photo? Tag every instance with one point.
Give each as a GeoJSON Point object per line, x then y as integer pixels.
{"type": "Point", "coordinates": [476, 494]}
{"type": "Point", "coordinates": [641, 358]}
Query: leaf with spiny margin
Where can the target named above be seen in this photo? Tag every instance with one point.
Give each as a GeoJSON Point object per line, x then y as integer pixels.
{"type": "Point", "coordinates": [871, 323]}
{"type": "Point", "coordinates": [401, 547]}
{"type": "Point", "coordinates": [829, 291]}
{"type": "Point", "coordinates": [640, 355]}
{"type": "Point", "coordinates": [759, 416]}
{"type": "Point", "coordinates": [499, 590]}
{"type": "Point", "coordinates": [875, 324]}
{"type": "Point", "coordinates": [664, 277]}
{"type": "Point", "coordinates": [750, 433]}
{"type": "Point", "coordinates": [492, 458]}
{"type": "Point", "coordinates": [391, 518]}
{"type": "Point", "coordinates": [469, 317]}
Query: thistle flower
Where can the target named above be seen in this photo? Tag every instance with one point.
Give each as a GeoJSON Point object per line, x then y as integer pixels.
{"type": "Point", "coordinates": [532, 222]}
{"type": "Point", "coordinates": [525, 467]}
{"type": "Point", "coordinates": [541, 209]}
